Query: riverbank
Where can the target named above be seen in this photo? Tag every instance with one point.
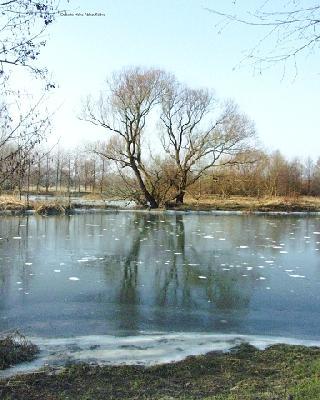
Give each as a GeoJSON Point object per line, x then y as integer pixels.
{"type": "Point", "coordinates": [52, 205]}
{"type": "Point", "coordinates": [253, 204]}
{"type": "Point", "coordinates": [280, 372]}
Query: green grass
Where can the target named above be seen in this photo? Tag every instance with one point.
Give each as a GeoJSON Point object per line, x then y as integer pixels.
{"type": "Point", "coordinates": [280, 372]}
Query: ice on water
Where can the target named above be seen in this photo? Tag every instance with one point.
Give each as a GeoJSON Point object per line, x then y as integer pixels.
{"type": "Point", "coordinates": [145, 348]}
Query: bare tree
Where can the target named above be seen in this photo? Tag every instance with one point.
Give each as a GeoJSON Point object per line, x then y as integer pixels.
{"type": "Point", "coordinates": [309, 168]}
{"type": "Point", "coordinates": [123, 109]}
{"type": "Point", "coordinates": [20, 132]}
{"type": "Point", "coordinates": [290, 30]}
{"type": "Point", "coordinates": [22, 126]}
{"type": "Point", "coordinates": [196, 138]}
{"type": "Point", "coordinates": [316, 178]}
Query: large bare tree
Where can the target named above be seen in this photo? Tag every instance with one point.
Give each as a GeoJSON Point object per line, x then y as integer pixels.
{"type": "Point", "coordinates": [197, 137]}
{"type": "Point", "coordinates": [122, 109]}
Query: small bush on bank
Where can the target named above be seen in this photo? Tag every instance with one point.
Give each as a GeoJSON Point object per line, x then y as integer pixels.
{"type": "Point", "coordinates": [15, 348]}
{"type": "Point", "coordinates": [11, 203]}
{"type": "Point", "coordinates": [48, 208]}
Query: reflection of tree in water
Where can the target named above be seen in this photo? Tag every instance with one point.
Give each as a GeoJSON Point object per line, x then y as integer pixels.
{"type": "Point", "coordinates": [128, 291]}
{"type": "Point", "coordinates": [127, 296]}
{"type": "Point", "coordinates": [222, 290]}
{"type": "Point", "coordinates": [14, 255]}
{"type": "Point", "coordinates": [3, 285]}
{"type": "Point", "coordinates": [167, 279]}
{"type": "Point", "coordinates": [179, 284]}
{"type": "Point", "coordinates": [171, 278]}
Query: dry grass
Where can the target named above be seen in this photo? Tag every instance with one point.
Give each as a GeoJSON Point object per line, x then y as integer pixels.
{"type": "Point", "coordinates": [12, 203]}
{"type": "Point", "coordinates": [279, 203]}
{"type": "Point", "coordinates": [50, 208]}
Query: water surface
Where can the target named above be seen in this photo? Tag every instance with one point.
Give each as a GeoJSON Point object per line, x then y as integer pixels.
{"type": "Point", "coordinates": [133, 274]}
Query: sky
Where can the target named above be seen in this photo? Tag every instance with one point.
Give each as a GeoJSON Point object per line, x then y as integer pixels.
{"type": "Point", "coordinates": [183, 38]}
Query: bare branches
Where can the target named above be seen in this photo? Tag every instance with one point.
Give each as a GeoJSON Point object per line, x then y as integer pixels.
{"type": "Point", "coordinates": [23, 25]}
{"type": "Point", "coordinates": [291, 30]}
{"type": "Point", "coordinates": [195, 134]}
{"type": "Point", "coordinates": [122, 109]}
{"type": "Point", "coordinates": [22, 127]}
{"type": "Point", "coordinates": [195, 140]}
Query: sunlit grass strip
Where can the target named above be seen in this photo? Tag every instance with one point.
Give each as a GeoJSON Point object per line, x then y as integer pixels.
{"type": "Point", "coordinates": [277, 203]}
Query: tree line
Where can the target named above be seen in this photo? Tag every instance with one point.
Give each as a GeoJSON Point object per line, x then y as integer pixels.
{"type": "Point", "coordinates": [163, 140]}
{"type": "Point", "coordinates": [86, 171]}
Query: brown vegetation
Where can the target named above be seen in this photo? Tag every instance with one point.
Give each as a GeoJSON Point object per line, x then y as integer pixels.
{"type": "Point", "coordinates": [12, 203]}
{"type": "Point", "coordinates": [50, 208]}
{"type": "Point", "coordinates": [249, 203]}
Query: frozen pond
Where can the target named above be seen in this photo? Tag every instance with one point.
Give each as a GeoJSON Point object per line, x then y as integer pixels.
{"type": "Point", "coordinates": [158, 284]}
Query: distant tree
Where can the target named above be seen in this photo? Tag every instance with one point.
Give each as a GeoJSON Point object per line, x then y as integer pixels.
{"type": "Point", "coordinates": [289, 29]}
{"type": "Point", "coordinates": [315, 187]}
{"type": "Point", "coordinates": [276, 174]}
{"type": "Point", "coordinates": [309, 168]}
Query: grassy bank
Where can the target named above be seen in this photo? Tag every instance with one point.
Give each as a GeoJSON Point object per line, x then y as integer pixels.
{"type": "Point", "coordinates": [280, 372]}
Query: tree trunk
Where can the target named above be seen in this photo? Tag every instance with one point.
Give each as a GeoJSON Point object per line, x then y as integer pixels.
{"type": "Point", "coordinates": [102, 176]}
{"type": "Point", "coordinates": [181, 190]}
{"type": "Point", "coordinates": [57, 174]}
{"type": "Point", "coordinates": [28, 182]}
{"type": "Point", "coordinates": [150, 200]}
{"type": "Point", "coordinates": [180, 197]}
{"type": "Point", "coordinates": [47, 175]}
{"type": "Point", "coordinates": [39, 176]}
{"type": "Point", "coordinates": [93, 189]}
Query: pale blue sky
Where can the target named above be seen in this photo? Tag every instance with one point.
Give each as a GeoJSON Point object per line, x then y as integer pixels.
{"type": "Point", "coordinates": [180, 37]}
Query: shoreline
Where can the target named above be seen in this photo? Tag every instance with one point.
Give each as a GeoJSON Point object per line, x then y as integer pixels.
{"type": "Point", "coordinates": [244, 373]}
{"type": "Point", "coordinates": [15, 213]}
{"type": "Point", "coordinates": [147, 348]}
{"type": "Point", "coordinates": [160, 211]}
{"type": "Point", "coordinates": [59, 205]}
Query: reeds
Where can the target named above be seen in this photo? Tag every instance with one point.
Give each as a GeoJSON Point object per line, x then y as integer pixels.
{"type": "Point", "coordinates": [50, 208]}
{"type": "Point", "coordinates": [11, 203]}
